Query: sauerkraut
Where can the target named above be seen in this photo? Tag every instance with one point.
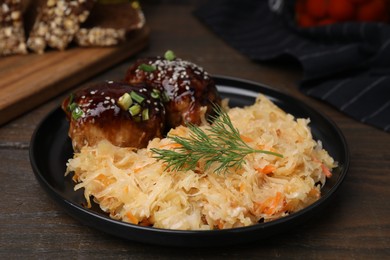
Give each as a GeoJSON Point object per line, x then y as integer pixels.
{"type": "Point", "coordinates": [133, 186]}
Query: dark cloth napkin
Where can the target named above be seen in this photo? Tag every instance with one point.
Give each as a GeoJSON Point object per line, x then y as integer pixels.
{"type": "Point", "coordinates": [344, 64]}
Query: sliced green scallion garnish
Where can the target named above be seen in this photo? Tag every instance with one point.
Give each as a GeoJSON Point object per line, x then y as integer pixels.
{"type": "Point", "coordinates": [72, 106]}
{"type": "Point", "coordinates": [145, 114]}
{"type": "Point", "coordinates": [137, 97]}
{"type": "Point", "coordinates": [135, 110]}
{"type": "Point", "coordinates": [155, 93]}
{"type": "Point", "coordinates": [74, 109]}
{"type": "Point", "coordinates": [147, 67]}
{"type": "Point", "coordinates": [125, 101]}
{"type": "Point", "coordinates": [77, 112]}
{"type": "Point", "coordinates": [169, 55]}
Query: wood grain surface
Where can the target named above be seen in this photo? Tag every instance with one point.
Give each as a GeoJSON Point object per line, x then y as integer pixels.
{"type": "Point", "coordinates": [29, 80]}
{"type": "Point", "coordinates": [355, 225]}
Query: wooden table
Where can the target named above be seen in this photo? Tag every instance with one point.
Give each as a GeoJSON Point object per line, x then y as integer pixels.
{"type": "Point", "coordinates": [356, 225]}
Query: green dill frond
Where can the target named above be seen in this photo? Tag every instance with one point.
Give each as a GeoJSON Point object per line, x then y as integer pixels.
{"type": "Point", "coordinates": [220, 145]}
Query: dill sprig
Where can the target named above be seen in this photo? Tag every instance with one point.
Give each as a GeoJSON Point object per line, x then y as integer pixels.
{"type": "Point", "coordinates": [222, 145]}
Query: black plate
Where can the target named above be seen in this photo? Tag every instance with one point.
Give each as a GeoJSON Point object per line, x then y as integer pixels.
{"type": "Point", "coordinates": [51, 148]}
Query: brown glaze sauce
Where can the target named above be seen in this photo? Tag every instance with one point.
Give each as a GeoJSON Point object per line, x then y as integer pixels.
{"type": "Point", "coordinates": [102, 117]}
{"type": "Point", "coordinates": [186, 84]}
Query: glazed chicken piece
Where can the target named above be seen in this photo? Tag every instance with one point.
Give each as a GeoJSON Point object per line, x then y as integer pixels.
{"type": "Point", "coordinates": [189, 91]}
{"type": "Point", "coordinates": [127, 115]}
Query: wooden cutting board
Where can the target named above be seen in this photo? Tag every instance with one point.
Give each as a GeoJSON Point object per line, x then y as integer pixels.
{"type": "Point", "coordinates": [29, 80]}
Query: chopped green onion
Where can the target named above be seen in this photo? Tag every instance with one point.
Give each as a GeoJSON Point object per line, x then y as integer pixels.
{"type": "Point", "coordinates": [125, 101]}
{"type": "Point", "coordinates": [72, 106]}
{"type": "Point", "coordinates": [169, 55]}
{"type": "Point", "coordinates": [135, 110]}
{"type": "Point", "coordinates": [147, 68]}
{"type": "Point", "coordinates": [155, 93]}
{"type": "Point", "coordinates": [145, 114]}
{"type": "Point", "coordinates": [137, 97]}
{"type": "Point", "coordinates": [77, 113]}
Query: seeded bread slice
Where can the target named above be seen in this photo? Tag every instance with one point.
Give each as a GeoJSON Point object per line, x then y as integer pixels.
{"type": "Point", "coordinates": [12, 39]}
{"type": "Point", "coordinates": [110, 24]}
{"type": "Point", "coordinates": [57, 22]}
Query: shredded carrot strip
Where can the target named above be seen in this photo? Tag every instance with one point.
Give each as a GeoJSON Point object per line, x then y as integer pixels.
{"type": "Point", "coordinates": [242, 187]}
{"type": "Point", "coordinates": [246, 139]}
{"type": "Point", "coordinates": [131, 218]}
{"type": "Point", "coordinates": [326, 170]}
{"type": "Point", "coordinates": [270, 205]}
{"type": "Point", "coordinates": [267, 169]}
{"type": "Point", "coordinates": [171, 145]}
{"type": "Point", "coordinates": [275, 203]}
